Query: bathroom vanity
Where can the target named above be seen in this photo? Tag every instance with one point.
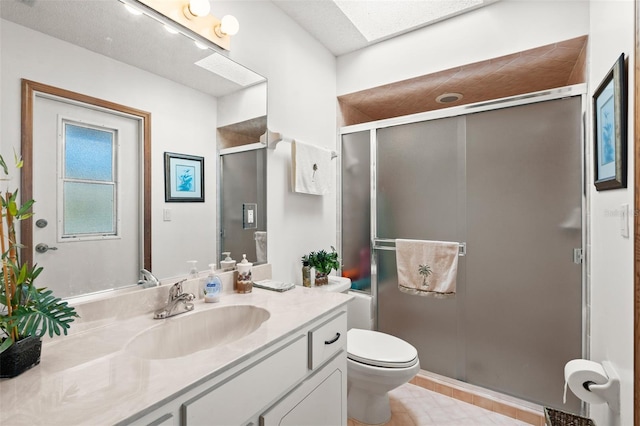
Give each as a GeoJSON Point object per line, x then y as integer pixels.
{"type": "Point", "coordinates": [288, 368]}
{"type": "Point", "coordinates": [301, 379]}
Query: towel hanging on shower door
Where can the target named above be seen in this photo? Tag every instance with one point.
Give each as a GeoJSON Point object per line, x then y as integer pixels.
{"type": "Point", "coordinates": [427, 268]}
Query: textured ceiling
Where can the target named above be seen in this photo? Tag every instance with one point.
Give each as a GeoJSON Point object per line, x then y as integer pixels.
{"type": "Point", "coordinates": [555, 65]}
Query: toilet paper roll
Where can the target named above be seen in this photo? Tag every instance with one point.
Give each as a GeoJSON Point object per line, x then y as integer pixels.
{"type": "Point", "coordinates": [578, 373]}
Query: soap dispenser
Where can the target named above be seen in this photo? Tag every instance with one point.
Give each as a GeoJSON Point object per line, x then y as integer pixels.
{"type": "Point", "coordinates": [212, 286]}
{"type": "Point", "coordinates": [244, 284]}
{"type": "Point", "coordinates": [228, 264]}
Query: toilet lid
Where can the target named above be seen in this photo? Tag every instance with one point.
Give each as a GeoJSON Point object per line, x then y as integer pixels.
{"type": "Point", "coordinates": [379, 349]}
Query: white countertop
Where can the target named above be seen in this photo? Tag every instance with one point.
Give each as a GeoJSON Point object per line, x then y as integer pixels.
{"type": "Point", "coordinates": [89, 378]}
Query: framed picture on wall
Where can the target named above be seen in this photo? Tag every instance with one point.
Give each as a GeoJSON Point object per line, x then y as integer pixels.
{"type": "Point", "coordinates": [183, 178]}
{"type": "Point", "coordinates": [610, 129]}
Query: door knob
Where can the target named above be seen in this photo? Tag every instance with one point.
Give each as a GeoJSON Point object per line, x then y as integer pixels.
{"type": "Point", "coordinates": [43, 248]}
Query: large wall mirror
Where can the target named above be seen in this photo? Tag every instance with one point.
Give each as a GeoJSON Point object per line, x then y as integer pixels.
{"type": "Point", "coordinates": [100, 51]}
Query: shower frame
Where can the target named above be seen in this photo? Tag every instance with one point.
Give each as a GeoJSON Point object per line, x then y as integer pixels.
{"type": "Point", "coordinates": [376, 243]}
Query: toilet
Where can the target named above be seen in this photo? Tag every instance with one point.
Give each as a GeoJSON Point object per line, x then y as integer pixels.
{"type": "Point", "coordinates": [376, 362]}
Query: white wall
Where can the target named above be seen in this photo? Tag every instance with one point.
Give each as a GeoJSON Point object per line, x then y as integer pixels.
{"type": "Point", "coordinates": [245, 104]}
{"type": "Point", "coordinates": [183, 121]}
{"type": "Point", "coordinates": [499, 29]}
{"type": "Point", "coordinates": [301, 92]}
{"type": "Point", "coordinates": [611, 255]}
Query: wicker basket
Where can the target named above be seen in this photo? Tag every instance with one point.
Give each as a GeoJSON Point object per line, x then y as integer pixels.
{"type": "Point", "coordinates": [560, 418]}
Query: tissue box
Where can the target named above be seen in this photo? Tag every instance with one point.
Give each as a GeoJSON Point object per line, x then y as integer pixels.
{"type": "Point", "coordinates": [560, 418]}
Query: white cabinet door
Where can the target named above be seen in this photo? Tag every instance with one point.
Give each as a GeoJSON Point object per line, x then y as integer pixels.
{"type": "Point", "coordinates": [235, 401]}
{"type": "Point", "coordinates": [318, 401]}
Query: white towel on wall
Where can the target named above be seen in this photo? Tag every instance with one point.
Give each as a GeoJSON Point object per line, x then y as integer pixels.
{"type": "Point", "coordinates": [261, 245]}
{"type": "Point", "coordinates": [311, 168]}
{"type": "Point", "coordinates": [438, 262]}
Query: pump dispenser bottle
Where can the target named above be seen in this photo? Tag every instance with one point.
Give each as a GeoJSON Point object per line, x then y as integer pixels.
{"type": "Point", "coordinates": [212, 286]}
{"type": "Point", "coordinates": [228, 264]}
{"type": "Point", "coordinates": [244, 283]}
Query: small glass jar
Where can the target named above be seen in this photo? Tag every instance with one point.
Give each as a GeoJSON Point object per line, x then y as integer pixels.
{"type": "Point", "coordinates": [306, 274]}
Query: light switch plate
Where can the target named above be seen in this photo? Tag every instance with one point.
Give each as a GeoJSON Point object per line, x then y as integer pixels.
{"type": "Point", "coordinates": [624, 220]}
{"type": "Point", "coordinates": [166, 215]}
{"type": "Point", "coordinates": [249, 215]}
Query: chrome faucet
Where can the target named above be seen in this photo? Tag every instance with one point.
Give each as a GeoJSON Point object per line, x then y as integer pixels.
{"type": "Point", "coordinates": [147, 279]}
{"type": "Point", "coordinates": [178, 302]}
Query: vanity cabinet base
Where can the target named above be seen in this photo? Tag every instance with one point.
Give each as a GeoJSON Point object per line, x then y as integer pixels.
{"type": "Point", "coordinates": [285, 384]}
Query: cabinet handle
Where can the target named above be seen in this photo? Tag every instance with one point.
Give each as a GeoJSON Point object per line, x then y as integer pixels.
{"type": "Point", "coordinates": [335, 339]}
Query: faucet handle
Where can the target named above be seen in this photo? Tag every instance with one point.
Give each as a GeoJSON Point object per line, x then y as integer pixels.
{"type": "Point", "coordinates": [176, 290]}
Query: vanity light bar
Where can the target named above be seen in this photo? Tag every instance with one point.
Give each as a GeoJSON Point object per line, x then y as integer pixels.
{"type": "Point", "coordinates": [204, 26]}
{"type": "Point", "coordinates": [172, 26]}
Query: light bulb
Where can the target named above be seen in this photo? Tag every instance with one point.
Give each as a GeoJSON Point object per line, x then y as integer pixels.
{"type": "Point", "coordinates": [199, 7]}
{"type": "Point", "coordinates": [229, 25]}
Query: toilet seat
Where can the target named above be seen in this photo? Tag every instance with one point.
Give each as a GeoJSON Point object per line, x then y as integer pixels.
{"type": "Point", "coordinates": [379, 349]}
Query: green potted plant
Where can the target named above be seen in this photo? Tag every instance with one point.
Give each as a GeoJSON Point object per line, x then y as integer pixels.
{"type": "Point", "coordinates": [26, 312]}
{"type": "Point", "coordinates": [323, 262]}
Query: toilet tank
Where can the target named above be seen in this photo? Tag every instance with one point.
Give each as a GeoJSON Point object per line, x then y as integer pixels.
{"type": "Point", "coordinates": [360, 308]}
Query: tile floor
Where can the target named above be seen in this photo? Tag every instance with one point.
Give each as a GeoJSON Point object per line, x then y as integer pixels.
{"type": "Point", "coordinates": [412, 405]}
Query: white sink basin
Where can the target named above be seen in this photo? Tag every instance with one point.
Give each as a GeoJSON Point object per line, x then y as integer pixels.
{"type": "Point", "coordinates": [192, 332]}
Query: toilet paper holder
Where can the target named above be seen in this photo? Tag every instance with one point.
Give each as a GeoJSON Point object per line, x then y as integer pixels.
{"type": "Point", "coordinates": [608, 392]}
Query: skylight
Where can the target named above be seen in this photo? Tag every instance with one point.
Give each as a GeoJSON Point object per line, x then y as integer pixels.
{"type": "Point", "coordinates": [230, 70]}
{"type": "Point", "coordinates": [378, 19]}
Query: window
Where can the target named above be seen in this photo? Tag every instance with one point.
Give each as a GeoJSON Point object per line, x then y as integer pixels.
{"type": "Point", "coordinates": [89, 189]}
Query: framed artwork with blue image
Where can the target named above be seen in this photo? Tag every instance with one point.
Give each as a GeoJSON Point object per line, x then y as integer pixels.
{"type": "Point", "coordinates": [183, 178]}
{"type": "Point", "coordinates": [610, 129]}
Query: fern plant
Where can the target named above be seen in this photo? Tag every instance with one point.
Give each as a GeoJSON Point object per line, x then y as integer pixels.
{"type": "Point", "coordinates": [323, 261]}
{"type": "Point", "coordinates": [24, 309]}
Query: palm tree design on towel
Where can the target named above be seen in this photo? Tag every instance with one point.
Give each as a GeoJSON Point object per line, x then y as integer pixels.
{"type": "Point", "coordinates": [425, 271]}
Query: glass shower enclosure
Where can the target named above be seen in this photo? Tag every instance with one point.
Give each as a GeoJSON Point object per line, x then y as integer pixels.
{"type": "Point", "coordinates": [242, 203]}
{"type": "Point", "coordinates": [505, 181]}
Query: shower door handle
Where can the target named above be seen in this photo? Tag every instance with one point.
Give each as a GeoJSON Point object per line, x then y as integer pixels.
{"type": "Point", "coordinates": [335, 339]}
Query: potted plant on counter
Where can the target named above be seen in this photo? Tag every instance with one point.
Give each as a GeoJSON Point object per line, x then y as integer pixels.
{"type": "Point", "coordinates": [26, 312]}
{"type": "Point", "coordinates": [323, 262]}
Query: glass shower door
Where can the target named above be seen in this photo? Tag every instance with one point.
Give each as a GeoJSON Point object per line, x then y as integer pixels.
{"type": "Point", "coordinates": [356, 209]}
{"type": "Point", "coordinates": [420, 195]}
{"type": "Point", "coordinates": [508, 183]}
{"type": "Point", "coordinates": [523, 316]}
{"type": "Point", "coordinates": [242, 185]}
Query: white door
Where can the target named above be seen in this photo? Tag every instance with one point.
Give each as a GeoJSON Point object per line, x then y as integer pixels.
{"type": "Point", "coordinates": [86, 181]}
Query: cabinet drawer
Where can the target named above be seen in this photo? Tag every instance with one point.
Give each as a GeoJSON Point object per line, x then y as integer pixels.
{"type": "Point", "coordinates": [237, 400]}
{"type": "Point", "coordinates": [327, 339]}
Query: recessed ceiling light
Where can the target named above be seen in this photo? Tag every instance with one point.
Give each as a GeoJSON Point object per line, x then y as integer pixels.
{"type": "Point", "coordinates": [170, 30]}
{"type": "Point", "coordinates": [447, 98]}
{"type": "Point", "coordinates": [200, 45]}
{"type": "Point", "coordinates": [132, 10]}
